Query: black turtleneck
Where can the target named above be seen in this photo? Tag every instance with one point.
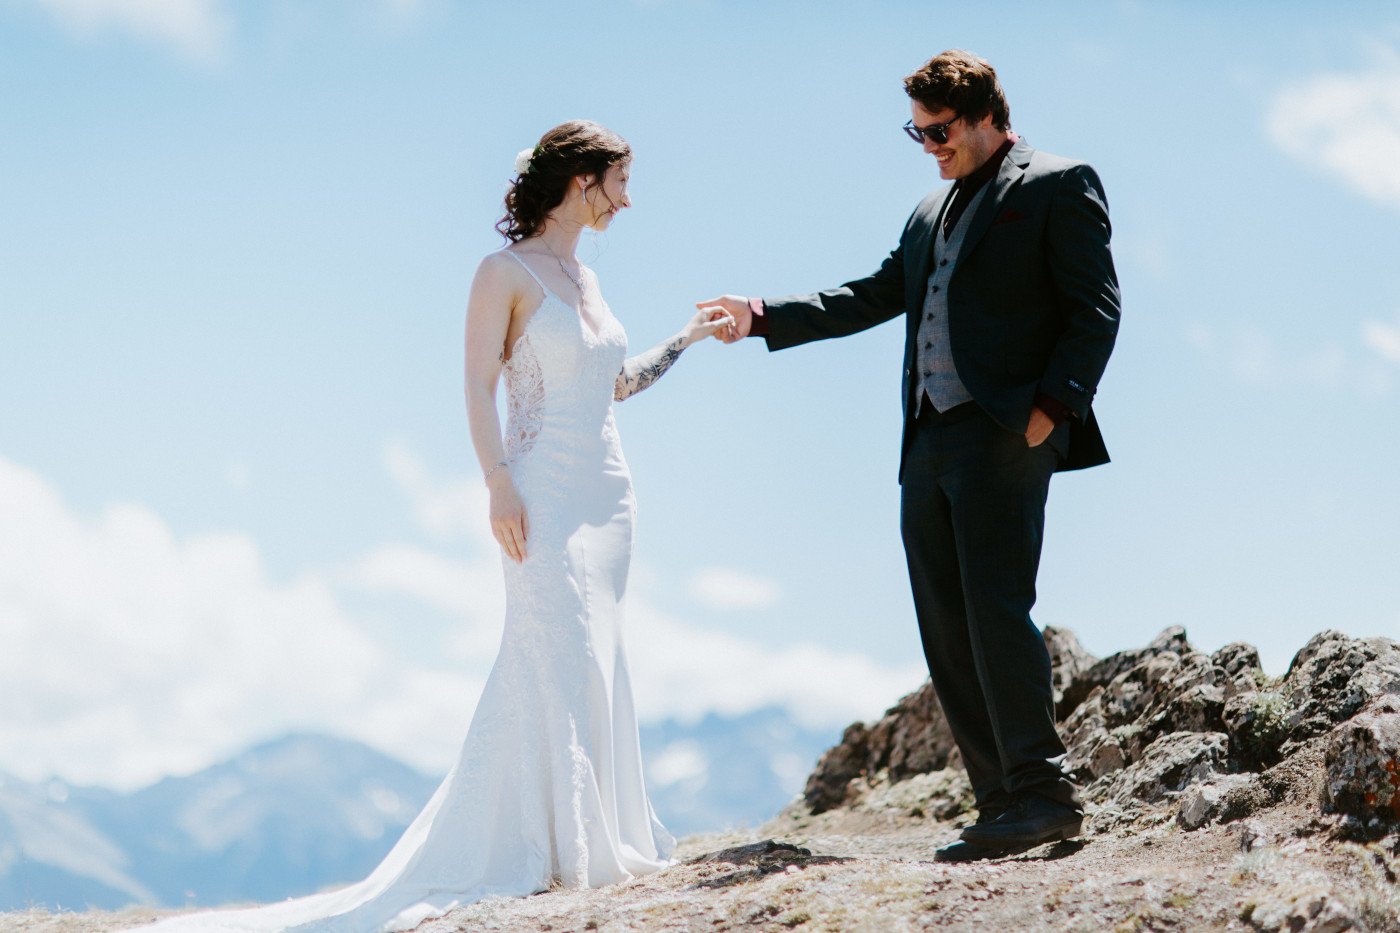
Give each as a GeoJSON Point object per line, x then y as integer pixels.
{"type": "Point", "coordinates": [971, 183]}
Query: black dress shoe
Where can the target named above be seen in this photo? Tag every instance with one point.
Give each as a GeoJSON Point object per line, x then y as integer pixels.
{"type": "Point", "coordinates": [1030, 821]}
{"type": "Point", "coordinates": [967, 852]}
{"type": "Point", "coordinates": [988, 813]}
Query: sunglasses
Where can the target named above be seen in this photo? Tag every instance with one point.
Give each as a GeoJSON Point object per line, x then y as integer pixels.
{"type": "Point", "coordinates": [938, 133]}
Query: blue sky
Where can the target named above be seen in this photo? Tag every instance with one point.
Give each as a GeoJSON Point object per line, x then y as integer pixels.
{"type": "Point", "coordinates": [237, 494]}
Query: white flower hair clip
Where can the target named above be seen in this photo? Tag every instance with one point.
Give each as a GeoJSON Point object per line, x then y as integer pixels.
{"type": "Point", "coordinates": [522, 161]}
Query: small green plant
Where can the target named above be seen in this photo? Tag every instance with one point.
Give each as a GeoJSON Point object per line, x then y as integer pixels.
{"type": "Point", "coordinates": [1266, 727]}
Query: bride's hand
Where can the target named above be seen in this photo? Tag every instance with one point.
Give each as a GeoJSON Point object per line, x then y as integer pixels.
{"type": "Point", "coordinates": [510, 525]}
{"type": "Point", "coordinates": [701, 326]}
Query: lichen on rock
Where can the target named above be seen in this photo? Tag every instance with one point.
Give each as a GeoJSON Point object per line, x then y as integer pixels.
{"type": "Point", "coordinates": [1168, 731]}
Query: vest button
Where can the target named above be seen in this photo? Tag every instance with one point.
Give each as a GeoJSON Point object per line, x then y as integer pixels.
{"type": "Point", "coordinates": [943, 263]}
{"type": "Point", "coordinates": [934, 289]}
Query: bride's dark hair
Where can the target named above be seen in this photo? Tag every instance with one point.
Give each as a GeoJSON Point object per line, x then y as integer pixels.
{"type": "Point", "coordinates": [579, 147]}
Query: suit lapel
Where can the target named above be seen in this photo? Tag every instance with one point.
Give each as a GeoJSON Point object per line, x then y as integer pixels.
{"type": "Point", "coordinates": [1012, 168]}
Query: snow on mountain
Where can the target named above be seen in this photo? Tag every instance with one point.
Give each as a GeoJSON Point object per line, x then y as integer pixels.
{"type": "Point", "coordinates": [51, 854]}
{"type": "Point", "coordinates": [285, 818]}
{"type": "Point", "coordinates": [306, 812]}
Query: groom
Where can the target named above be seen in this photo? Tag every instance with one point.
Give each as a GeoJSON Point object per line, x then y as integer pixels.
{"type": "Point", "coordinates": [1010, 305]}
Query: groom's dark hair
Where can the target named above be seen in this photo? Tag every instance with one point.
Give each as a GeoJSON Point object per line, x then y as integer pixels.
{"type": "Point", "coordinates": [963, 83]}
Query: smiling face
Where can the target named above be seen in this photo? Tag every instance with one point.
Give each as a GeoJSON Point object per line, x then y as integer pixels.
{"type": "Point", "coordinates": [970, 142]}
{"type": "Point", "coordinates": [604, 201]}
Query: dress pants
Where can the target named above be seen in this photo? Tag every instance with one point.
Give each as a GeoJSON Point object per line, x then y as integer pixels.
{"type": "Point", "coordinates": [972, 517]}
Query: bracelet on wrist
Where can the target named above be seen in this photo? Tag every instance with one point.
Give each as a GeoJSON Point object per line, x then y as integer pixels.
{"type": "Point", "coordinates": [503, 463]}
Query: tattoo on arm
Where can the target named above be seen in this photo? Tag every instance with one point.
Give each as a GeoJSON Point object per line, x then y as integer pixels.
{"type": "Point", "coordinates": [645, 368]}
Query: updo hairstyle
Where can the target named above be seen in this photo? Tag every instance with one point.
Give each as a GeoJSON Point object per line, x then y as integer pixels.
{"type": "Point", "coordinates": [579, 147]}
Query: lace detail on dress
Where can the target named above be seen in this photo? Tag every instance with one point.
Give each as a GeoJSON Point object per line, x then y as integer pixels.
{"type": "Point", "coordinates": [525, 398]}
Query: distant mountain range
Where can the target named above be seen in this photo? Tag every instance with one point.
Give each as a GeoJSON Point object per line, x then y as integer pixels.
{"type": "Point", "coordinates": [306, 812]}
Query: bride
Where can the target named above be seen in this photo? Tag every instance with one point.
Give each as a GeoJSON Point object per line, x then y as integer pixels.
{"type": "Point", "coordinates": [548, 788]}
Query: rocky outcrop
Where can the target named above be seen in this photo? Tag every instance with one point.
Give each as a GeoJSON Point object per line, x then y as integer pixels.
{"type": "Point", "coordinates": [1363, 766]}
{"type": "Point", "coordinates": [1170, 731]}
{"type": "Point", "coordinates": [911, 738]}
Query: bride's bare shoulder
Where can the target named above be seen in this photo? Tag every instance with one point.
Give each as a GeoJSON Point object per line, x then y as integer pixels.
{"type": "Point", "coordinates": [502, 271]}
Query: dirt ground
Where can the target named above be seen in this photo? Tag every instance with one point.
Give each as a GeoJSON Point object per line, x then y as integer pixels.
{"type": "Point", "coordinates": [872, 871]}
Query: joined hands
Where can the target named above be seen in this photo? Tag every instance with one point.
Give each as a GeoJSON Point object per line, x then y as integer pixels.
{"type": "Point", "coordinates": [736, 309]}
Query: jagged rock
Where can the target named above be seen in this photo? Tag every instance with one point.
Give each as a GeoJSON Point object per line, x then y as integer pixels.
{"type": "Point", "coordinates": [758, 859]}
{"type": "Point", "coordinates": [1238, 669]}
{"type": "Point", "coordinates": [1297, 779]}
{"type": "Point", "coordinates": [1255, 836]}
{"type": "Point", "coordinates": [943, 795]}
{"type": "Point", "coordinates": [1165, 728]}
{"type": "Point", "coordinates": [1333, 678]}
{"type": "Point", "coordinates": [1166, 691]}
{"type": "Point", "coordinates": [767, 850]}
{"type": "Point", "coordinates": [1068, 660]}
{"type": "Point", "coordinates": [1301, 907]}
{"type": "Point", "coordinates": [1185, 695]}
{"type": "Point", "coordinates": [1363, 764]}
{"type": "Point", "coordinates": [838, 766]}
{"type": "Point", "coordinates": [1101, 673]}
{"type": "Point", "coordinates": [1244, 799]}
{"type": "Point", "coordinates": [1168, 766]}
{"type": "Point", "coordinates": [913, 736]}
{"type": "Point", "coordinates": [1203, 802]}
{"type": "Point", "coordinates": [1092, 750]}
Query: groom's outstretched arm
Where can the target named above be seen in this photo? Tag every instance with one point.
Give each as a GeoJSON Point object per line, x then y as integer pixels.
{"type": "Point", "coordinates": [837, 312]}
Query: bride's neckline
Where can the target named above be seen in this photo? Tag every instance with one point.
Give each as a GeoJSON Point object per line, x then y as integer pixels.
{"type": "Point", "coordinates": [597, 331]}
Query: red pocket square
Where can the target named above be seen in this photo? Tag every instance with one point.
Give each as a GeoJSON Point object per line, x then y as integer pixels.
{"type": "Point", "coordinates": [1008, 217]}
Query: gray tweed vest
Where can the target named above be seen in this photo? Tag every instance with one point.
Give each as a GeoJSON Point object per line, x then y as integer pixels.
{"type": "Point", "coordinates": [937, 379]}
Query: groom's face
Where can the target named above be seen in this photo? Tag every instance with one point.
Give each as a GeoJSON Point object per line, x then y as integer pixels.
{"type": "Point", "coordinates": [969, 145]}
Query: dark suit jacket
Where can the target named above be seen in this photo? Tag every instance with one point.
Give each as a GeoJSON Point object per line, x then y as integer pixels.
{"type": "Point", "coordinates": [1033, 303]}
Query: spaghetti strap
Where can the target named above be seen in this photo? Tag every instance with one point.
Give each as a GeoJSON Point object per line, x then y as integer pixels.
{"type": "Point", "coordinates": [526, 266]}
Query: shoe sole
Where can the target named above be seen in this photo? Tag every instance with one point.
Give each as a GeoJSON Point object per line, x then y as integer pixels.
{"type": "Point", "coordinates": [1067, 831]}
{"type": "Point", "coordinates": [980, 854]}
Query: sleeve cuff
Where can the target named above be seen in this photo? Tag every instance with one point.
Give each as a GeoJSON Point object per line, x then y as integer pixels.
{"type": "Point", "coordinates": [1058, 411]}
{"type": "Point", "coordinates": [759, 326]}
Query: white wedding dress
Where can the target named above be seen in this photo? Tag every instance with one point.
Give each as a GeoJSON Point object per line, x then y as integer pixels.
{"type": "Point", "coordinates": [548, 788]}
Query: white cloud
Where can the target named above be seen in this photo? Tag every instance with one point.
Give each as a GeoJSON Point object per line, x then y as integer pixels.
{"type": "Point", "coordinates": [1347, 125]}
{"type": "Point", "coordinates": [238, 475]}
{"type": "Point", "coordinates": [683, 672]}
{"type": "Point", "coordinates": [131, 653]}
{"type": "Point", "coordinates": [196, 29]}
{"type": "Point", "coordinates": [469, 588]}
{"type": "Point", "coordinates": [469, 591]}
{"type": "Point", "coordinates": [1383, 338]}
{"type": "Point", "coordinates": [444, 508]}
{"type": "Point", "coordinates": [725, 588]}
{"type": "Point", "coordinates": [678, 670]}
{"type": "Point", "coordinates": [1253, 357]}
